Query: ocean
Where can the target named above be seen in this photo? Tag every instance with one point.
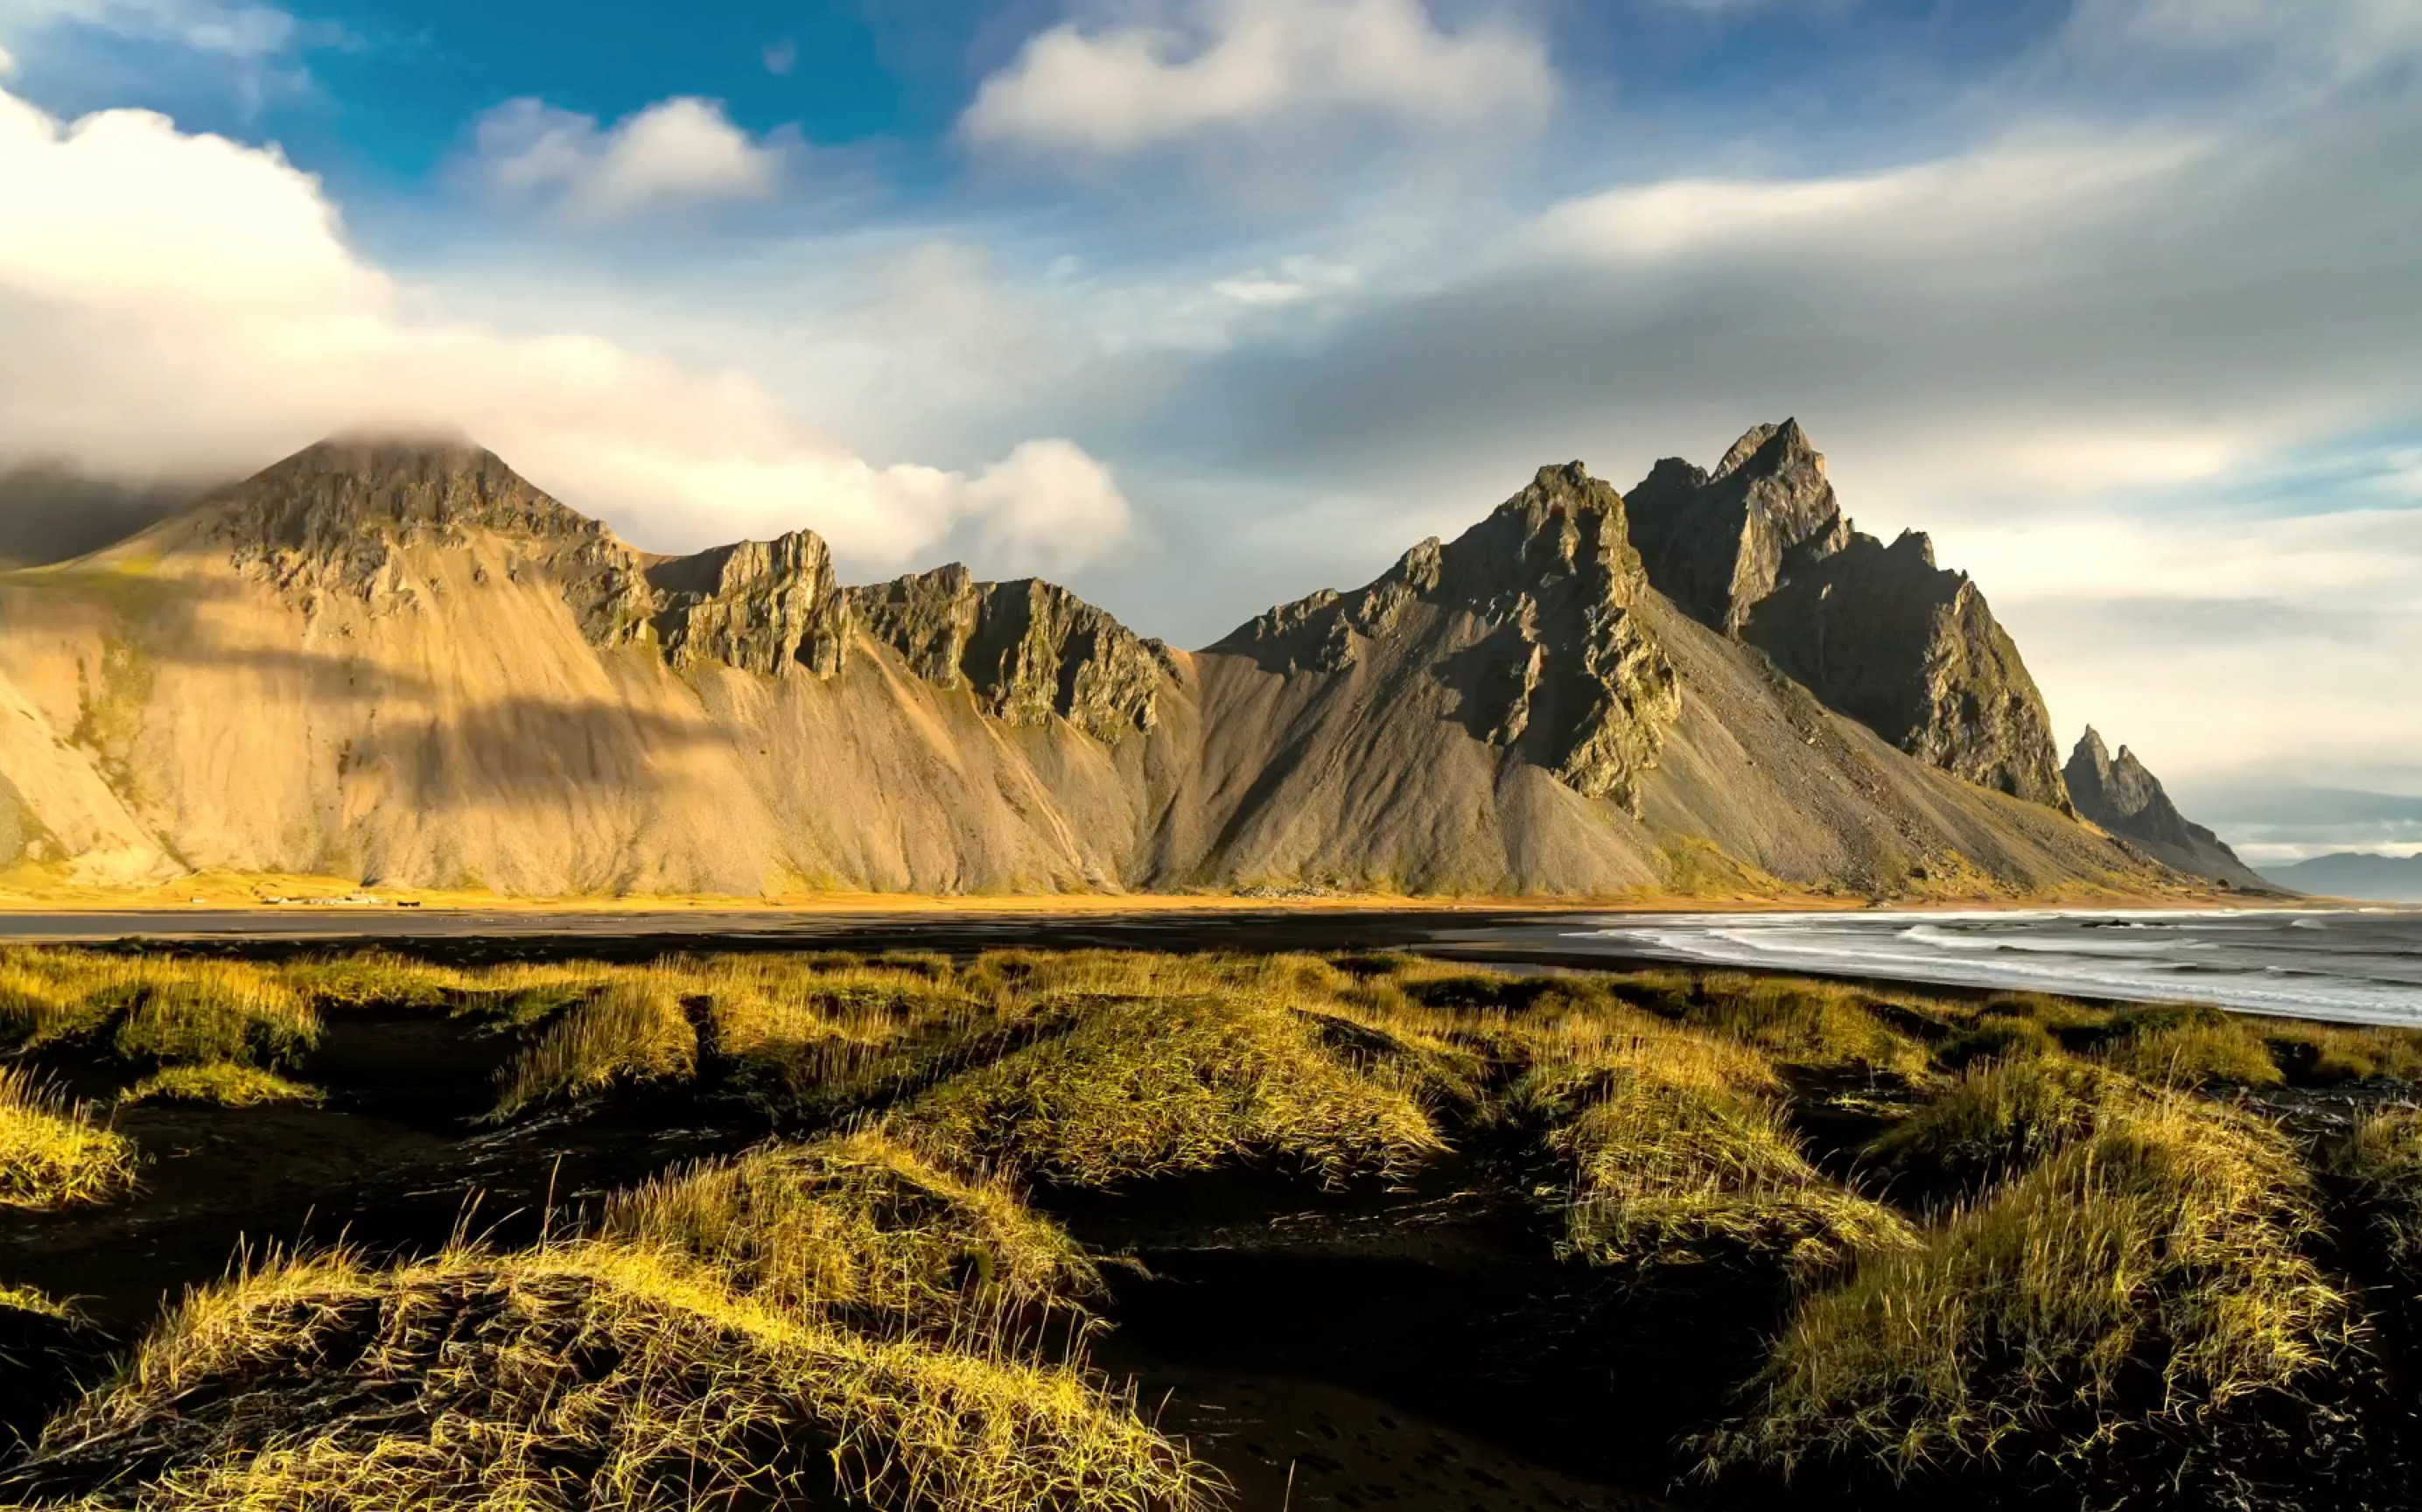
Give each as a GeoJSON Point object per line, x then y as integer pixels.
{"type": "Point", "coordinates": [2360, 965]}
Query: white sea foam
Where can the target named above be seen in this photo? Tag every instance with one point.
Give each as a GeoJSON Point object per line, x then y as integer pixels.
{"type": "Point", "coordinates": [2369, 970]}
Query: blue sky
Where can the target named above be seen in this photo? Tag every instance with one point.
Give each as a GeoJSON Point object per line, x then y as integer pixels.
{"type": "Point", "coordinates": [1202, 304]}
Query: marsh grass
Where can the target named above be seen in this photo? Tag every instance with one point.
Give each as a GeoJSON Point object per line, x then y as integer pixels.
{"type": "Point", "coordinates": [2000, 1117]}
{"type": "Point", "coordinates": [1805, 1023]}
{"type": "Point", "coordinates": [861, 1229]}
{"type": "Point", "coordinates": [2380, 1162]}
{"type": "Point", "coordinates": [1678, 1150]}
{"type": "Point", "coordinates": [2151, 1273]}
{"type": "Point", "coordinates": [220, 1083]}
{"type": "Point", "coordinates": [53, 1154]}
{"type": "Point", "coordinates": [576, 1375]}
{"type": "Point", "coordinates": [1142, 1086]}
{"type": "Point", "coordinates": [2329, 1053]}
{"type": "Point", "coordinates": [633, 1028]}
{"type": "Point", "coordinates": [2190, 1047]}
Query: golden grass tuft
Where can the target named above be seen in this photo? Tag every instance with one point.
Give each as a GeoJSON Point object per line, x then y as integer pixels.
{"type": "Point", "coordinates": [1679, 1148]}
{"type": "Point", "coordinates": [2190, 1048]}
{"type": "Point", "coordinates": [33, 1299]}
{"type": "Point", "coordinates": [863, 1229]}
{"type": "Point", "coordinates": [804, 1037]}
{"type": "Point", "coordinates": [1805, 1023]}
{"type": "Point", "coordinates": [2001, 1116]}
{"type": "Point", "coordinates": [52, 1152]}
{"type": "Point", "coordinates": [1142, 1086]}
{"type": "Point", "coordinates": [2151, 1271]}
{"type": "Point", "coordinates": [577, 1375]}
{"type": "Point", "coordinates": [1996, 1037]}
{"type": "Point", "coordinates": [180, 1011]}
{"type": "Point", "coordinates": [221, 1083]}
{"type": "Point", "coordinates": [2381, 1163]}
{"type": "Point", "coordinates": [365, 978]}
{"type": "Point", "coordinates": [2328, 1053]}
{"type": "Point", "coordinates": [634, 1029]}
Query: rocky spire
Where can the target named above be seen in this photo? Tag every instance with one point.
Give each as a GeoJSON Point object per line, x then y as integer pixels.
{"type": "Point", "coordinates": [1716, 543]}
{"type": "Point", "coordinates": [1565, 670]}
{"type": "Point", "coordinates": [1759, 549]}
{"type": "Point", "coordinates": [2121, 795]}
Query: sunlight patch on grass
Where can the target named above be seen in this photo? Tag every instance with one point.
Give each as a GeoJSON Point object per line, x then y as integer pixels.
{"type": "Point", "coordinates": [1148, 1085]}
{"type": "Point", "coordinates": [2152, 1270]}
{"type": "Point", "coordinates": [1678, 1149]}
{"type": "Point", "coordinates": [573, 1377]}
{"type": "Point", "coordinates": [863, 1229]}
{"type": "Point", "coordinates": [222, 1084]}
{"type": "Point", "coordinates": [52, 1152]}
{"type": "Point", "coordinates": [631, 1029]}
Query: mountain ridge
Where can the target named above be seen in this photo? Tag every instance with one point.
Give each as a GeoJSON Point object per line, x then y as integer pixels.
{"type": "Point", "coordinates": [403, 663]}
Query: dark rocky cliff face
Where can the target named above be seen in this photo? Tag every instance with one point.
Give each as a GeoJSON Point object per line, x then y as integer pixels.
{"type": "Point", "coordinates": [1759, 549]}
{"type": "Point", "coordinates": [1563, 670]}
{"type": "Point", "coordinates": [763, 607]}
{"type": "Point", "coordinates": [1911, 651]}
{"type": "Point", "coordinates": [2118, 794]}
{"type": "Point", "coordinates": [1027, 649]}
{"type": "Point", "coordinates": [1716, 543]}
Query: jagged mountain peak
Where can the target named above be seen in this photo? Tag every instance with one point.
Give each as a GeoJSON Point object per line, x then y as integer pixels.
{"type": "Point", "coordinates": [2122, 796]}
{"type": "Point", "coordinates": [1534, 609]}
{"type": "Point", "coordinates": [1027, 649]}
{"type": "Point", "coordinates": [1718, 542]}
{"type": "Point", "coordinates": [1770, 450]}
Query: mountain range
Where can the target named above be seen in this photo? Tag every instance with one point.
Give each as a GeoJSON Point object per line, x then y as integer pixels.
{"type": "Point", "coordinates": [2363, 874]}
{"type": "Point", "coordinates": [398, 662]}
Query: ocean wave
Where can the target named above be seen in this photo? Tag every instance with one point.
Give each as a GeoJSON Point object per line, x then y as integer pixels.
{"type": "Point", "coordinates": [2373, 974]}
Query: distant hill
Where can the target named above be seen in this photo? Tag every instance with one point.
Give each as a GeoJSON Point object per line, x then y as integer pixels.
{"type": "Point", "coordinates": [2353, 874]}
{"type": "Point", "coordinates": [401, 663]}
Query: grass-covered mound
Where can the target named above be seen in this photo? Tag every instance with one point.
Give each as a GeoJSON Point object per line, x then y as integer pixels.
{"type": "Point", "coordinates": [864, 1230]}
{"type": "Point", "coordinates": [1999, 1116]}
{"type": "Point", "coordinates": [219, 1083]}
{"type": "Point", "coordinates": [1678, 1147]}
{"type": "Point", "coordinates": [53, 1154]}
{"type": "Point", "coordinates": [2144, 1273]}
{"type": "Point", "coordinates": [150, 1008]}
{"type": "Point", "coordinates": [1144, 1086]}
{"type": "Point", "coordinates": [2190, 1047]}
{"type": "Point", "coordinates": [576, 1375]}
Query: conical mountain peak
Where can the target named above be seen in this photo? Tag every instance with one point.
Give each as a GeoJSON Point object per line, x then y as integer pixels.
{"type": "Point", "coordinates": [329, 495]}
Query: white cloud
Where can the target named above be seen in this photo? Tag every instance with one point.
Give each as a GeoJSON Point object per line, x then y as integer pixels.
{"type": "Point", "coordinates": [233, 28]}
{"type": "Point", "coordinates": [680, 150]}
{"type": "Point", "coordinates": [179, 304]}
{"type": "Point", "coordinates": [1159, 73]}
